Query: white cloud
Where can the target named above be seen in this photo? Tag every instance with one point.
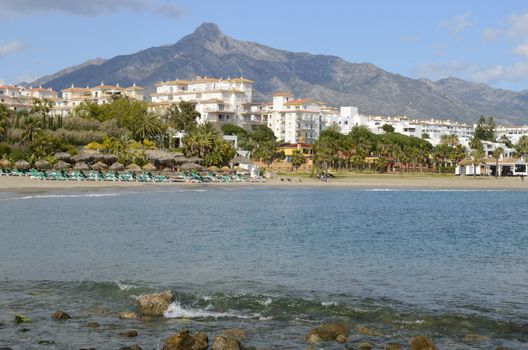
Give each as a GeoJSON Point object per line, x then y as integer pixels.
{"type": "Point", "coordinates": [518, 25]}
{"type": "Point", "coordinates": [25, 77]}
{"type": "Point", "coordinates": [473, 72]}
{"type": "Point", "coordinates": [521, 50]}
{"type": "Point", "coordinates": [89, 8]}
{"type": "Point", "coordinates": [457, 24]}
{"type": "Point", "coordinates": [10, 47]}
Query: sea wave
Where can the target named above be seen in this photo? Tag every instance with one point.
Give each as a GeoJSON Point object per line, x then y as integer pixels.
{"type": "Point", "coordinates": [176, 310]}
{"type": "Point", "coordinates": [54, 196]}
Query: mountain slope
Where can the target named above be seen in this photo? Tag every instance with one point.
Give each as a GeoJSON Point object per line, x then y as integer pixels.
{"type": "Point", "coordinates": [209, 52]}
{"type": "Point", "coordinates": [48, 78]}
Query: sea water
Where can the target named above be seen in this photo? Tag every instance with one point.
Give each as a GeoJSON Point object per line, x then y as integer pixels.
{"type": "Point", "coordinates": [275, 262]}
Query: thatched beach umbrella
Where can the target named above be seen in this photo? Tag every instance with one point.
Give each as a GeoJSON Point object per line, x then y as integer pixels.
{"type": "Point", "coordinates": [81, 166]}
{"type": "Point", "coordinates": [149, 167]}
{"type": "Point", "coordinates": [22, 165]}
{"type": "Point", "coordinates": [167, 171]}
{"type": "Point", "coordinates": [181, 160]}
{"type": "Point", "coordinates": [42, 164]}
{"type": "Point", "coordinates": [213, 168]}
{"type": "Point", "coordinates": [5, 164]}
{"type": "Point", "coordinates": [191, 166]}
{"type": "Point", "coordinates": [61, 165]}
{"type": "Point", "coordinates": [99, 166]}
{"type": "Point", "coordinates": [194, 160]}
{"type": "Point", "coordinates": [117, 167]}
{"type": "Point", "coordinates": [226, 169]}
{"type": "Point", "coordinates": [63, 156]}
{"type": "Point", "coordinates": [133, 167]}
{"type": "Point", "coordinates": [160, 157]}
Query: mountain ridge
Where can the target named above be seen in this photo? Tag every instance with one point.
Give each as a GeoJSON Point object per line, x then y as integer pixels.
{"type": "Point", "coordinates": [209, 52]}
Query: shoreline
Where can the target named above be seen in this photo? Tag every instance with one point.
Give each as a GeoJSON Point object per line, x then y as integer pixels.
{"type": "Point", "coordinates": [354, 181]}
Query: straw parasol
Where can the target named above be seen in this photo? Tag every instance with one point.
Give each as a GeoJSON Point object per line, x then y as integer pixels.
{"type": "Point", "coordinates": [160, 157]}
{"type": "Point", "coordinates": [167, 171]}
{"type": "Point", "coordinates": [63, 156]}
{"type": "Point", "coordinates": [213, 168]}
{"type": "Point", "coordinates": [99, 166]}
{"type": "Point", "coordinates": [22, 165]}
{"type": "Point", "coordinates": [5, 164]}
{"type": "Point", "coordinates": [149, 167]}
{"type": "Point", "coordinates": [81, 166]}
{"type": "Point", "coordinates": [60, 165]}
{"type": "Point", "coordinates": [117, 167]}
{"type": "Point", "coordinates": [226, 169]}
{"type": "Point", "coordinates": [194, 160]}
{"type": "Point", "coordinates": [133, 167]}
{"type": "Point", "coordinates": [42, 164]}
{"type": "Point", "coordinates": [191, 166]}
{"type": "Point", "coordinates": [181, 160]}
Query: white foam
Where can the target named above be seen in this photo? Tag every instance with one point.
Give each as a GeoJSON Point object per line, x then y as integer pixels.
{"type": "Point", "coordinates": [48, 196]}
{"type": "Point", "coordinates": [124, 286]}
{"type": "Point", "coordinates": [329, 303]}
{"type": "Point", "coordinates": [175, 310]}
{"type": "Point", "coordinates": [265, 302]}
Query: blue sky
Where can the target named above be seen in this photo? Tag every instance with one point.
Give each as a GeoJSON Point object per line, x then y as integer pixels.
{"type": "Point", "coordinates": [482, 41]}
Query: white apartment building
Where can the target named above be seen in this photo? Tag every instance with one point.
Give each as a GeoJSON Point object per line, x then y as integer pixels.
{"type": "Point", "coordinates": [294, 120]}
{"type": "Point", "coordinates": [20, 98]}
{"type": "Point", "coordinates": [217, 100]}
{"type": "Point", "coordinates": [73, 96]}
{"type": "Point", "coordinates": [513, 133]}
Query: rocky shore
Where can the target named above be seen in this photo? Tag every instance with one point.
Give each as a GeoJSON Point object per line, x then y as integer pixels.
{"type": "Point", "coordinates": [152, 306]}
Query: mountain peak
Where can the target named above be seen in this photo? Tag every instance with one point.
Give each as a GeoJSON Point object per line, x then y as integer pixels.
{"type": "Point", "coordinates": [208, 30]}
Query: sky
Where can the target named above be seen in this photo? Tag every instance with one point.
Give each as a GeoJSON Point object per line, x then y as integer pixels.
{"type": "Point", "coordinates": [483, 41]}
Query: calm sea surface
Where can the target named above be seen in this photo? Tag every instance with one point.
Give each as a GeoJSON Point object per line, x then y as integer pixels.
{"type": "Point", "coordinates": [275, 262]}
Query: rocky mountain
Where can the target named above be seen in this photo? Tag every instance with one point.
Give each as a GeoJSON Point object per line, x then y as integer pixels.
{"type": "Point", "coordinates": [48, 78]}
{"type": "Point", "coordinates": [209, 52]}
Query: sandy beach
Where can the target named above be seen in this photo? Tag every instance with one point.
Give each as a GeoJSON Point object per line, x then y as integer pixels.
{"type": "Point", "coordinates": [359, 181]}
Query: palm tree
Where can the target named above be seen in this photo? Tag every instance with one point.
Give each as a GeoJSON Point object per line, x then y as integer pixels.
{"type": "Point", "coordinates": [477, 157]}
{"type": "Point", "coordinates": [450, 140]}
{"type": "Point", "coordinates": [497, 154]}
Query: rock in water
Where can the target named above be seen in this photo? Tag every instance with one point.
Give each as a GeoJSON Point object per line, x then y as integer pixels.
{"type": "Point", "coordinates": [328, 332]}
{"type": "Point", "coordinates": [132, 347]}
{"type": "Point", "coordinates": [92, 325]}
{"type": "Point", "coordinates": [368, 331]}
{"type": "Point", "coordinates": [185, 341]}
{"type": "Point", "coordinates": [422, 343]}
{"type": "Point", "coordinates": [129, 334]}
{"type": "Point", "coordinates": [393, 346]}
{"type": "Point", "coordinates": [225, 343]}
{"type": "Point", "coordinates": [60, 315]}
{"type": "Point", "coordinates": [155, 304]}
{"type": "Point", "coordinates": [235, 333]}
{"type": "Point", "coordinates": [127, 315]}
{"type": "Point", "coordinates": [22, 319]}
{"type": "Point", "coordinates": [471, 338]}
{"type": "Point", "coordinates": [365, 346]}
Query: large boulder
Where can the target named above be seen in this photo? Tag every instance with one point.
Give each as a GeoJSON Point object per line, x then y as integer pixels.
{"type": "Point", "coordinates": [225, 343]}
{"type": "Point", "coordinates": [235, 333]}
{"type": "Point", "coordinates": [185, 341]}
{"type": "Point", "coordinates": [368, 331]}
{"type": "Point", "coordinates": [129, 334]}
{"type": "Point", "coordinates": [328, 332]}
{"type": "Point", "coordinates": [422, 343]}
{"type": "Point", "coordinates": [155, 304]}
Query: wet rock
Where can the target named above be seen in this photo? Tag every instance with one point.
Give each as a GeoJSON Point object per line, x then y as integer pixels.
{"type": "Point", "coordinates": [129, 334]}
{"type": "Point", "coordinates": [155, 304]}
{"type": "Point", "coordinates": [46, 342]}
{"type": "Point", "coordinates": [92, 325]}
{"type": "Point", "coordinates": [503, 348]}
{"type": "Point", "coordinates": [225, 343]}
{"type": "Point", "coordinates": [128, 315]}
{"type": "Point", "coordinates": [365, 346]}
{"type": "Point", "coordinates": [185, 341]}
{"type": "Point", "coordinates": [132, 347]}
{"type": "Point", "coordinates": [5, 348]}
{"type": "Point", "coordinates": [60, 315]}
{"type": "Point", "coordinates": [367, 331]}
{"type": "Point", "coordinates": [422, 343]}
{"type": "Point", "coordinates": [393, 346]}
{"type": "Point", "coordinates": [22, 319]}
{"type": "Point", "coordinates": [87, 349]}
{"type": "Point", "coordinates": [235, 333]}
{"type": "Point", "coordinates": [328, 332]}
{"type": "Point", "coordinates": [472, 338]}
{"type": "Point", "coordinates": [24, 330]}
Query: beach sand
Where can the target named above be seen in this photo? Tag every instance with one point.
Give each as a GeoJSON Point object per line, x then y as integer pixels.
{"type": "Point", "coordinates": [359, 181]}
